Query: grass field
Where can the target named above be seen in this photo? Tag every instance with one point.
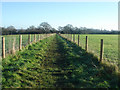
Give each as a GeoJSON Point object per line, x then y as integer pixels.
{"type": "Point", "coordinates": [9, 39]}
{"type": "Point", "coordinates": [56, 63]}
{"type": "Point", "coordinates": [110, 45]}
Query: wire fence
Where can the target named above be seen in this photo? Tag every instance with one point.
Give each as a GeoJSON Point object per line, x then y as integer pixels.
{"type": "Point", "coordinates": [110, 45]}
{"type": "Point", "coordinates": [12, 42]}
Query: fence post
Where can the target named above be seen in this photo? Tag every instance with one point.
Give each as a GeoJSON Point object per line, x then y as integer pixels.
{"type": "Point", "coordinates": [78, 39]}
{"type": "Point", "coordinates": [13, 47]}
{"type": "Point", "coordinates": [29, 39]}
{"type": "Point", "coordinates": [86, 45]}
{"type": "Point", "coordinates": [73, 37]}
{"type": "Point", "coordinates": [39, 36]}
{"type": "Point", "coordinates": [46, 35]}
{"type": "Point", "coordinates": [34, 37]}
{"type": "Point", "coordinates": [101, 51]}
{"type": "Point", "coordinates": [3, 47]}
{"type": "Point", "coordinates": [20, 42]}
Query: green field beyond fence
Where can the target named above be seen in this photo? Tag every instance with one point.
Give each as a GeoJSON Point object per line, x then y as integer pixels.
{"type": "Point", "coordinates": [110, 53]}
{"type": "Point", "coordinates": [55, 62]}
{"type": "Point", "coordinates": [13, 42]}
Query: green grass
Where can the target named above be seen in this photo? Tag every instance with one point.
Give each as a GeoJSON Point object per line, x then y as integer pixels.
{"type": "Point", "coordinates": [55, 62]}
{"type": "Point", "coordinates": [21, 70]}
{"type": "Point", "coordinates": [110, 45]}
{"type": "Point", "coordinates": [9, 39]}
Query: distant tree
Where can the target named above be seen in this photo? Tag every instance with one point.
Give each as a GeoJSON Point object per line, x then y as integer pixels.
{"type": "Point", "coordinates": [9, 30]}
{"type": "Point", "coordinates": [53, 30]}
{"type": "Point", "coordinates": [46, 27]}
{"type": "Point", "coordinates": [60, 28]}
{"type": "Point", "coordinates": [22, 31]}
{"type": "Point", "coordinates": [67, 29]}
{"type": "Point", "coordinates": [32, 28]}
{"type": "Point", "coordinates": [0, 30]}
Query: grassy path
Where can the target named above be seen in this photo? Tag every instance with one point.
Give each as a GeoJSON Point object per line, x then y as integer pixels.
{"type": "Point", "coordinates": [57, 63]}
{"type": "Point", "coordinates": [67, 65]}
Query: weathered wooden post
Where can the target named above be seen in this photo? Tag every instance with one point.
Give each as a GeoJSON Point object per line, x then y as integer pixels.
{"type": "Point", "coordinates": [20, 42]}
{"type": "Point", "coordinates": [73, 37]}
{"type": "Point", "coordinates": [39, 36]}
{"type": "Point", "coordinates": [69, 37]}
{"type": "Point", "coordinates": [13, 47]}
{"type": "Point", "coordinates": [101, 50]}
{"type": "Point", "coordinates": [78, 39]}
{"type": "Point", "coordinates": [42, 36]}
{"type": "Point", "coordinates": [46, 35]}
{"type": "Point", "coordinates": [3, 47]}
{"type": "Point", "coordinates": [86, 45]}
{"type": "Point", "coordinates": [29, 39]}
{"type": "Point", "coordinates": [34, 37]}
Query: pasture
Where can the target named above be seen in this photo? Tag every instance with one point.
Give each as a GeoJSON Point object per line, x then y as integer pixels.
{"type": "Point", "coordinates": [57, 62]}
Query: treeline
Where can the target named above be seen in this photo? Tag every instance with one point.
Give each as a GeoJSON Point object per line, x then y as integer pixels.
{"type": "Point", "coordinates": [44, 27]}
{"type": "Point", "coordinates": [83, 30]}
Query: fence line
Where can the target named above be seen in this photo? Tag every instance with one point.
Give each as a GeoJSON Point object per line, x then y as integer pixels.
{"type": "Point", "coordinates": [12, 43]}
{"type": "Point", "coordinates": [78, 40]}
{"type": "Point", "coordinates": [86, 44]}
{"type": "Point", "coordinates": [72, 38]}
{"type": "Point", "coordinates": [20, 42]}
{"type": "Point", "coordinates": [102, 57]}
{"type": "Point", "coordinates": [3, 47]}
{"type": "Point", "coordinates": [101, 51]}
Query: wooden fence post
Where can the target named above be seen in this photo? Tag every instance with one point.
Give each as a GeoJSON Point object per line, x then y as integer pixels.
{"type": "Point", "coordinates": [39, 36]}
{"type": "Point", "coordinates": [78, 39]}
{"type": "Point", "coordinates": [86, 45]}
{"type": "Point", "coordinates": [20, 42]}
{"type": "Point", "coordinates": [101, 51]}
{"type": "Point", "coordinates": [34, 37]}
{"type": "Point", "coordinates": [73, 37]}
{"type": "Point", "coordinates": [69, 37]}
{"type": "Point", "coordinates": [3, 47]}
{"type": "Point", "coordinates": [46, 35]}
{"type": "Point", "coordinates": [29, 39]}
{"type": "Point", "coordinates": [13, 47]}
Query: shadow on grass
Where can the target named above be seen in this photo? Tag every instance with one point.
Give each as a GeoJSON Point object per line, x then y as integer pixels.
{"type": "Point", "coordinates": [80, 69]}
